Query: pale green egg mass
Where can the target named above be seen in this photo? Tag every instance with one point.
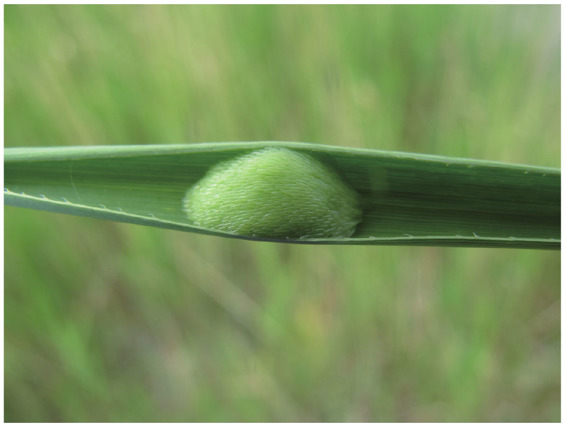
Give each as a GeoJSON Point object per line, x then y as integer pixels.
{"type": "Point", "coordinates": [274, 193]}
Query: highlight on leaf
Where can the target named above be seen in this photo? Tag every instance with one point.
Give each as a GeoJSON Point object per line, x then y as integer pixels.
{"type": "Point", "coordinates": [274, 193]}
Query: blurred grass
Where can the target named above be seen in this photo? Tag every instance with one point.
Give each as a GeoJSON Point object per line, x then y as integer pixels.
{"type": "Point", "coordinates": [114, 322]}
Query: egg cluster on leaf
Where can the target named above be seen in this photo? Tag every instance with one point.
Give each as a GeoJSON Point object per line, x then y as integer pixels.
{"type": "Point", "coordinates": [274, 193]}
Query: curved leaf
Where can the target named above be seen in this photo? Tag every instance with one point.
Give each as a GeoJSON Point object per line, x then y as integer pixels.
{"type": "Point", "coordinates": [407, 199]}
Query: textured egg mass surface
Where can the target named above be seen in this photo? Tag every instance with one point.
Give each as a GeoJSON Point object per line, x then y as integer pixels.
{"type": "Point", "coordinates": [274, 193]}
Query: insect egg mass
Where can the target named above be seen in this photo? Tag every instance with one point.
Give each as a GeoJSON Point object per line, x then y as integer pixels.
{"type": "Point", "coordinates": [274, 193]}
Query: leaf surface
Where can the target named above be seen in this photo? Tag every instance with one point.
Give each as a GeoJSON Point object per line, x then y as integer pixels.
{"type": "Point", "coordinates": [407, 199]}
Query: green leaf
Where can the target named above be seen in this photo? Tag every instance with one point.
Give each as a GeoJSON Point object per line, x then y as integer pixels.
{"type": "Point", "coordinates": [406, 199]}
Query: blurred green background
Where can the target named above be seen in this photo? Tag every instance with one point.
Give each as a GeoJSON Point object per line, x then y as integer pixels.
{"type": "Point", "coordinates": [116, 322]}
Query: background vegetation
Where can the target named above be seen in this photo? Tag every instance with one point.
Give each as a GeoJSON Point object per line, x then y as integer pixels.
{"type": "Point", "coordinates": [116, 322]}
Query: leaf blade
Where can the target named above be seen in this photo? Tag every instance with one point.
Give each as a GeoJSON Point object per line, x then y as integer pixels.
{"type": "Point", "coordinates": [409, 199]}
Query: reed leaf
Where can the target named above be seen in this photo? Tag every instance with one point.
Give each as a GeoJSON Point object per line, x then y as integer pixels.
{"type": "Point", "coordinates": [406, 199]}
